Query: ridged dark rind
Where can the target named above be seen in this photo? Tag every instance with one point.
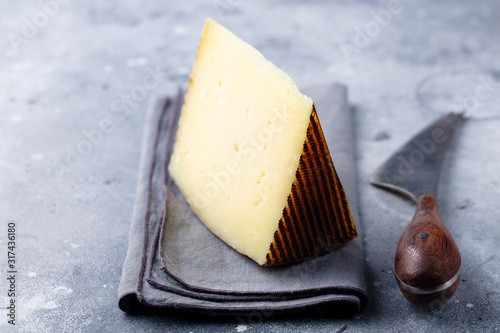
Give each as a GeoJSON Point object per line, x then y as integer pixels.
{"type": "Point", "coordinates": [317, 218]}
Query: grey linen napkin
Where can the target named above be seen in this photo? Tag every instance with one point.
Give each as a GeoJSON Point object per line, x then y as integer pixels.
{"type": "Point", "coordinates": [174, 263]}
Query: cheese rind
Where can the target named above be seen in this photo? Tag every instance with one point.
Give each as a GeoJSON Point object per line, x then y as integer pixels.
{"type": "Point", "coordinates": [317, 218]}
{"type": "Point", "coordinates": [239, 146]}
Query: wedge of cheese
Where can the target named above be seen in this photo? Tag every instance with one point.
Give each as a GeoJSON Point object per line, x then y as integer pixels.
{"type": "Point", "coordinates": [251, 160]}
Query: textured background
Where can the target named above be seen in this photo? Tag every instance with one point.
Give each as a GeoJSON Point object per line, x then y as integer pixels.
{"type": "Point", "coordinates": [72, 105]}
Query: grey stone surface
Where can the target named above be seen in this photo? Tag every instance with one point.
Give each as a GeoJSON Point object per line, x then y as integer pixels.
{"type": "Point", "coordinates": [75, 78]}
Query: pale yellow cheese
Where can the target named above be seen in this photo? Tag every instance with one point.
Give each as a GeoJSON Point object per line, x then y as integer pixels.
{"type": "Point", "coordinates": [239, 141]}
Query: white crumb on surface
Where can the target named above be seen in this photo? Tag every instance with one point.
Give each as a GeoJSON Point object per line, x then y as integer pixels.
{"type": "Point", "coordinates": [49, 305]}
{"type": "Point", "coordinates": [62, 290]}
{"type": "Point", "coordinates": [16, 118]}
{"type": "Point", "coordinates": [137, 62]}
{"type": "Point", "coordinates": [37, 156]}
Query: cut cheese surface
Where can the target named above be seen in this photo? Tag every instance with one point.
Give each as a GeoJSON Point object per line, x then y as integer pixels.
{"type": "Point", "coordinates": [250, 157]}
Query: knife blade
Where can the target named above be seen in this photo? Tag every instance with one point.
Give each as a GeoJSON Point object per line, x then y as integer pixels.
{"type": "Point", "coordinates": [427, 261]}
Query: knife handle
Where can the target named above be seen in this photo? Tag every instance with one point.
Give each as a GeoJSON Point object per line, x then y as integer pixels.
{"type": "Point", "coordinates": [427, 262]}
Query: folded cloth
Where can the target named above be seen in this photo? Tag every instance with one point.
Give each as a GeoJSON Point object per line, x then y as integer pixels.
{"type": "Point", "coordinates": [174, 263]}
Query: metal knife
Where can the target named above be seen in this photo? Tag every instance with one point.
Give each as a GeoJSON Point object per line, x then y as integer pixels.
{"type": "Point", "coordinates": [427, 261]}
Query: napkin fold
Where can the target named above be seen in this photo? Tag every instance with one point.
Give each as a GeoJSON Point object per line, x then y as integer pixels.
{"type": "Point", "coordinates": [174, 263]}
